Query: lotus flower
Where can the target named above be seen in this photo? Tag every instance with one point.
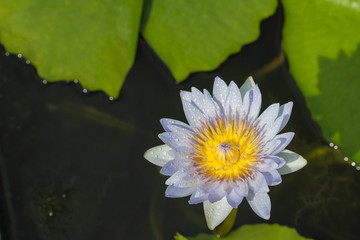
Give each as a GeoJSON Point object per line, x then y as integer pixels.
{"type": "Point", "coordinates": [227, 151]}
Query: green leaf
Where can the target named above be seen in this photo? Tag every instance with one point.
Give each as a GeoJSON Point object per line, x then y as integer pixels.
{"type": "Point", "coordinates": [198, 35]}
{"type": "Point", "coordinates": [255, 232]}
{"type": "Point", "coordinates": [321, 41]}
{"type": "Point", "coordinates": [90, 40]}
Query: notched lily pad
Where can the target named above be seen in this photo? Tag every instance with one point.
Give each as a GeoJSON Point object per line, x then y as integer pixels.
{"type": "Point", "coordinates": [321, 41]}
{"type": "Point", "coordinates": [198, 35]}
{"type": "Point", "coordinates": [92, 41]}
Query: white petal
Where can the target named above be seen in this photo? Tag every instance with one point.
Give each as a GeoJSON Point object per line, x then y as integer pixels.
{"type": "Point", "coordinates": [220, 90]}
{"type": "Point", "coordinates": [210, 107]}
{"type": "Point", "coordinates": [158, 155]}
{"type": "Point", "coordinates": [293, 160]}
{"type": "Point", "coordinates": [260, 203]}
{"type": "Point", "coordinates": [233, 100]}
{"type": "Point", "coordinates": [215, 213]}
{"type": "Point", "coordinates": [248, 84]}
{"type": "Point", "coordinates": [193, 114]}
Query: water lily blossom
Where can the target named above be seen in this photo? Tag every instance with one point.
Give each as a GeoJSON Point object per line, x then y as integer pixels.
{"type": "Point", "coordinates": [227, 151]}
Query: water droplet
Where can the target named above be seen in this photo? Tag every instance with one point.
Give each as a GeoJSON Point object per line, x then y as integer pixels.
{"type": "Point", "coordinates": [336, 147]}
{"type": "Point", "coordinates": [51, 214]}
{"type": "Point", "coordinates": [331, 144]}
{"type": "Point", "coordinates": [19, 55]}
{"type": "Point", "coordinates": [44, 81]}
{"type": "Point", "coordinates": [346, 158]}
{"type": "Point", "coordinates": [27, 62]}
{"type": "Point", "coordinates": [358, 168]}
{"type": "Point", "coordinates": [76, 81]}
{"type": "Point", "coordinates": [85, 90]}
{"type": "Point", "coordinates": [7, 54]}
{"type": "Point", "coordinates": [353, 164]}
{"type": "Point", "coordinates": [111, 98]}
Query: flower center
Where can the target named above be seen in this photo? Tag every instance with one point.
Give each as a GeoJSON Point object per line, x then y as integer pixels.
{"type": "Point", "coordinates": [226, 149]}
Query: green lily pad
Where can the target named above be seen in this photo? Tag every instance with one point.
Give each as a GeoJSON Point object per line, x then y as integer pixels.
{"type": "Point", "coordinates": [252, 232]}
{"type": "Point", "coordinates": [198, 35]}
{"type": "Point", "coordinates": [89, 40]}
{"type": "Point", "coordinates": [321, 41]}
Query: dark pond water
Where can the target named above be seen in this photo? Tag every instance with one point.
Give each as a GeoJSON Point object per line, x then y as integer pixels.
{"type": "Point", "coordinates": [72, 164]}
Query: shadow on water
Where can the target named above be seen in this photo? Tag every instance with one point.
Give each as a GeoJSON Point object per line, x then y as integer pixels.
{"type": "Point", "coordinates": [339, 100]}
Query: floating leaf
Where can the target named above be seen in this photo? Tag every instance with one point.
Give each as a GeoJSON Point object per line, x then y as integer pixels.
{"type": "Point", "coordinates": [92, 41]}
{"type": "Point", "coordinates": [198, 35]}
{"type": "Point", "coordinates": [321, 41]}
{"type": "Point", "coordinates": [253, 232]}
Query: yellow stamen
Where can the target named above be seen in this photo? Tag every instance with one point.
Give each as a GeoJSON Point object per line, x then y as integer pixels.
{"type": "Point", "coordinates": [226, 149]}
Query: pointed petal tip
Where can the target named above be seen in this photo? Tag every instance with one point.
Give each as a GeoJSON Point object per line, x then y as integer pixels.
{"type": "Point", "coordinates": [294, 162]}
{"type": "Point", "coordinates": [158, 155]}
{"type": "Point", "coordinates": [217, 78]}
{"type": "Point", "coordinates": [251, 80]}
{"type": "Point", "coordinates": [247, 85]}
{"type": "Point", "coordinates": [215, 213]}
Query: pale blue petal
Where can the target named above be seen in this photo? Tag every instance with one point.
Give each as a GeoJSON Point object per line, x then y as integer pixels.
{"type": "Point", "coordinates": [268, 116]}
{"type": "Point", "coordinates": [251, 104]}
{"type": "Point", "coordinates": [279, 143]}
{"type": "Point", "coordinates": [241, 188]}
{"type": "Point", "coordinates": [234, 199]}
{"type": "Point", "coordinates": [272, 178]}
{"type": "Point", "coordinates": [176, 192]}
{"type": "Point", "coordinates": [260, 203]}
{"type": "Point", "coordinates": [199, 195]}
{"type": "Point", "coordinates": [167, 122]}
{"type": "Point", "coordinates": [284, 114]}
{"type": "Point", "coordinates": [176, 177]}
{"type": "Point", "coordinates": [258, 183]}
{"type": "Point", "coordinates": [212, 107]}
{"type": "Point", "coordinates": [193, 114]}
{"type": "Point", "coordinates": [173, 140]}
{"type": "Point", "coordinates": [172, 166]}
{"type": "Point", "coordinates": [181, 132]}
{"type": "Point", "coordinates": [271, 130]}
{"type": "Point", "coordinates": [268, 164]}
{"type": "Point", "coordinates": [217, 194]}
{"type": "Point", "coordinates": [278, 160]}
